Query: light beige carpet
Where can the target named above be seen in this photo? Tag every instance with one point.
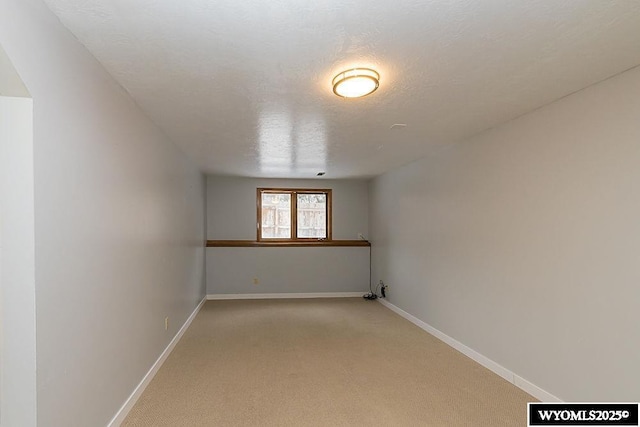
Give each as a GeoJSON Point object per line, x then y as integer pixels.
{"type": "Point", "coordinates": [320, 362]}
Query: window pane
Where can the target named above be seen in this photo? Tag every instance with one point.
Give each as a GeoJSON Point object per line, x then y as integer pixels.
{"type": "Point", "coordinates": [312, 216]}
{"type": "Point", "coordinates": [276, 216]}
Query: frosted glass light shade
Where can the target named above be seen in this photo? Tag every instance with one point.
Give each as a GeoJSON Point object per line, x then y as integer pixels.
{"type": "Point", "coordinates": [356, 83]}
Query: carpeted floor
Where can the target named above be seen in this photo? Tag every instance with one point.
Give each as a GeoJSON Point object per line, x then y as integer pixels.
{"type": "Point", "coordinates": [320, 362]}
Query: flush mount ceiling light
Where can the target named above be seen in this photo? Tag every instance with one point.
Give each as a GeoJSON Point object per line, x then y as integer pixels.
{"type": "Point", "coordinates": [356, 83]}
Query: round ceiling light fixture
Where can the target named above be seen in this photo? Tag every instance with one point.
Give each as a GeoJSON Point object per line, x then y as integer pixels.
{"type": "Point", "coordinates": [356, 82]}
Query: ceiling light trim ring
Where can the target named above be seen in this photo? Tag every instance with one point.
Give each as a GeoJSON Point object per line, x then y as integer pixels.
{"type": "Point", "coordinates": [356, 73]}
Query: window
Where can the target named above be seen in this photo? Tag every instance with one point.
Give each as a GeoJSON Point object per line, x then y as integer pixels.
{"type": "Point", "coordinates": [294, 214]}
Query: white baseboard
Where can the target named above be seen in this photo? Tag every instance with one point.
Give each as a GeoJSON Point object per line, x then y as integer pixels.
{"type": "Point", "coordinates": [287, 295]}
{"type": "Point", "coordinates": [534, 390]}
{"type": "Point", "coordinates": [498, 369]}
{"type": "Point", "coordinates": [133, 398]}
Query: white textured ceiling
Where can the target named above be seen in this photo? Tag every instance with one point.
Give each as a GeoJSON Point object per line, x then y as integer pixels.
{"type": "Point", "coordinates": [244, 86]}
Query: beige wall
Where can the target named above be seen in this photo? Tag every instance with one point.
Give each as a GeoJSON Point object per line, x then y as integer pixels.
{"type": "Point", "coordinates": [523, 242]}
{"type": "Point", "coordinates": [231, 215]}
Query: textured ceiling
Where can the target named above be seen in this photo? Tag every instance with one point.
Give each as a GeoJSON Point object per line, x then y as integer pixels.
{"type": "Point", "coordinates": [244, 86]}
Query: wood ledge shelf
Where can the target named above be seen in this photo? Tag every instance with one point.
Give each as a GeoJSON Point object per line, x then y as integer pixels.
{"type": "Point", "coordinates": [276, 244]}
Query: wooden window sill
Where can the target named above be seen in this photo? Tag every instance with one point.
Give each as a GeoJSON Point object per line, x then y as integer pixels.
{"type": "Point", "coordinates": [282, 244]}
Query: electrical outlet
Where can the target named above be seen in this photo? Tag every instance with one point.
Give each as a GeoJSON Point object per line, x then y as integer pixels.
{"type": "Point", "coordinates": [166, 323]}
{"type": "Point", "coordinates": [256, 281]}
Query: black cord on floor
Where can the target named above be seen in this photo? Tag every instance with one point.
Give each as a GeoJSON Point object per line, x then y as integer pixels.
{"type": "Point", "coordinates": [371, 295]}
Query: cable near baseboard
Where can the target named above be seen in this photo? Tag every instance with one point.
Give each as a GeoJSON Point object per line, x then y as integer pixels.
{"type": "Point", "coordinates": [371, 295]}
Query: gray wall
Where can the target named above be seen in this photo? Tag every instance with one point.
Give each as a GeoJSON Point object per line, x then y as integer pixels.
{"type": "Point", "coordinates": [119, 225]}
{"type": "Point", "coordinates": [231, 215]}
{"type": "Point", "coordinates": [522, 242]}
{"type": "Point", "coordinates": [17, 265]}
{"type": "Point", "coordinates": [231, 205]}
{"type": "Point", "coordinates": [10, 82]}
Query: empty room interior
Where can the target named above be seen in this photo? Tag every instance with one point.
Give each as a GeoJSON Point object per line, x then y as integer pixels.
{"type": "Point", "coordinates": [334, 213]}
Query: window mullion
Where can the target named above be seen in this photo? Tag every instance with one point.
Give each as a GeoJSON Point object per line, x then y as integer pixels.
{"type": "Point", "coordinates": [294, 215]}
{"type": "Point", "coordinates": [328, 213]}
